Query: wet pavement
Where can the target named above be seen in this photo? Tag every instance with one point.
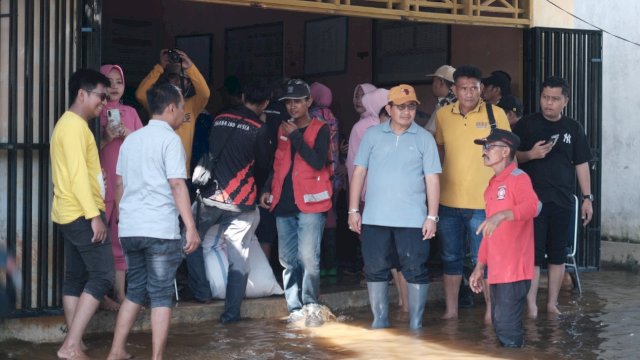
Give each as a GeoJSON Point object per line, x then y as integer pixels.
{"type": "Point", "coordinates": [604, 323]}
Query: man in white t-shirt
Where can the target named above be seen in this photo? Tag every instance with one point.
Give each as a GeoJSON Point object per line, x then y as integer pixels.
{"type": "Point", "coordinates": [151, 193]}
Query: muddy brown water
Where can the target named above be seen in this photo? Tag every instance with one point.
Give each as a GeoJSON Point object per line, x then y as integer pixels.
{"type": "Point", "coordinates": [604, 323]}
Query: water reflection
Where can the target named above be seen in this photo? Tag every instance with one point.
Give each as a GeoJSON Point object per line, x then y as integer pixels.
{"type": "Point", "coordinates": [599, 325]}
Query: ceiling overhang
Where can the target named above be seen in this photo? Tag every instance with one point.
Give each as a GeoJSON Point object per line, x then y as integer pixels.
{"type": "Point", "coordinates": [505, 13]}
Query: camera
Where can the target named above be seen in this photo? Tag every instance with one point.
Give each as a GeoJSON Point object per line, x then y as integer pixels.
{"type": "Point", "coordinates": [174, 56]}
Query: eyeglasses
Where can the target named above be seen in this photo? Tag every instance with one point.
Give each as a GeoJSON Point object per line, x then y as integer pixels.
{"type": "Point", "coordinates": [488, 147]}
{"type": "Point", "coordinates": [403, 107]}
{"type": "Point", "coordinates": [101, 95]}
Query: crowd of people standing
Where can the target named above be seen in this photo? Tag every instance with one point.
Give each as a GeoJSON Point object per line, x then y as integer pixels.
{"type": "Point", "coordinates": [277, 164]}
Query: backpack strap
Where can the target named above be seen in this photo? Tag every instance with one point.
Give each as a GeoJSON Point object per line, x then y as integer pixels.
{"type": "Point", "coordinates": [492, 119]}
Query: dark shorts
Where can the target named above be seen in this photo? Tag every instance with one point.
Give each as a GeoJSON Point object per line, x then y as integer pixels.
{"type": "Point", "coordinates": [553, 230]}
{"type": "Point", "coordinates": [382, 246]}
{"type": "Point", "coordinates": [151, 269]}
{"type": "Point", "coordinates": [89, 266]}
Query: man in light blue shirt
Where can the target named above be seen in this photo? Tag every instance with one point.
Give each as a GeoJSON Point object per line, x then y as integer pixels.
{"type": "Point", "coordinates": [401, 163]}
{"type": "Point", "coordinates": [151, 192]}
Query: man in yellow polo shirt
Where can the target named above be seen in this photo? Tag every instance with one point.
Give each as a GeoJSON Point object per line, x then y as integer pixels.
{"type": "Point", "coordinates": [78, 208]}
{"type": "Point", "coordinates": [464, 177]}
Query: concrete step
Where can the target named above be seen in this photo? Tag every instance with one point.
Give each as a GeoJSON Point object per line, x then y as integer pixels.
{"type": "Point", "coordinates": [338, 298]}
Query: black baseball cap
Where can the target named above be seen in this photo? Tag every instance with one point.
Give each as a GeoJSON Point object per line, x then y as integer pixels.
{"type": "Point", "coordinates": [511, 103]}
{"type": "Point", "coordinates": [296, 89]}
{"type": "Point", "coordinates": [499, 79]}
{"type": "Point", "coordinates": [510, 139]}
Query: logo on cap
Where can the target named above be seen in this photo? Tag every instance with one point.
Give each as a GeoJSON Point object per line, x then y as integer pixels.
{"type": "Point", "coordinates": [406, 91]}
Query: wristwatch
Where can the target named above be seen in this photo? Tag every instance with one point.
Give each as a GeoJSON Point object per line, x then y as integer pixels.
{"type": "Point", "coordinates": [434, 218]}
{"type": "Point", "coordinates": [587, 197]}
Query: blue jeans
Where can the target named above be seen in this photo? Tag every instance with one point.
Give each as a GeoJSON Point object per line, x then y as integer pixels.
{"type": "Point", "coordinates": [455, 226]}
{"type": "Point", "coordinates": [151, 269]}
{"type": "Point", "coordinates": [299, 238]}
{"type": "Point", "coordinates": [382, 244]}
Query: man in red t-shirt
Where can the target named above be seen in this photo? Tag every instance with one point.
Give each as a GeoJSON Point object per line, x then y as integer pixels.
{"type": "Point", "coordinates": [507, 244]}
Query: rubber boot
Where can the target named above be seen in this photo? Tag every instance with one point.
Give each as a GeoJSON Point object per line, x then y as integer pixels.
{"type": "Point", "coordinates": [379, 300]}
{"type": "Point", "coordinates": [417, 299]}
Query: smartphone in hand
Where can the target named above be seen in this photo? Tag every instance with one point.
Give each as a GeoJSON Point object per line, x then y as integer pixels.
{"type": "Point", "coordinates": [113, 116]}
{"type": "Point", "coordinates": [553, 139]}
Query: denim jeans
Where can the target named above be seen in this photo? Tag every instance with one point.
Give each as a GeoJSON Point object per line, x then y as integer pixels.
{"type": "Point", "coordinates": [383, 245]}
{"type": "Point", "coordinates": [299, 238]}
{"type": "Point", "coordinates": [237, 230]}
{"type": "Point", "coordinates": [151, 269]}
{"type": "Point", "coordinates": [455, 226]}
{"type": "Point", "coordinates": [89, 266]}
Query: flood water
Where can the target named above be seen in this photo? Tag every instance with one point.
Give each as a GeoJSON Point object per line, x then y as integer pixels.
{"type": "Point", "coordinates": [604, 323]}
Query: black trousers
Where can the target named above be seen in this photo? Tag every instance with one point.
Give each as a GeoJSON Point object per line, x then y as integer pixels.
{"type": "Point", "coordinates": [507, 306]}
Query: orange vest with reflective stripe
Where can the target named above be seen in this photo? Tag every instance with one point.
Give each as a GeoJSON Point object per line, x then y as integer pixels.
{"type": "Point", "coordinates": [312, 188]}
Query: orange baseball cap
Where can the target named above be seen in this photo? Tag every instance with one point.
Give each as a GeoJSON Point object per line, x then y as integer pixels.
{"type": "Point", "coordinates": [402, 94]}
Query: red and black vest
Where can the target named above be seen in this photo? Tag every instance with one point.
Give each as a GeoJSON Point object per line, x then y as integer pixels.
{"type": "Point", "coordinates": [312, 188]}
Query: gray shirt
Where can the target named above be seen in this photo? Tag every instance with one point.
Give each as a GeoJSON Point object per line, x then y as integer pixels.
{"type": "Point", "coordinates": [396, 169]}
{"type": "Point", "coordinates": [148, 158]}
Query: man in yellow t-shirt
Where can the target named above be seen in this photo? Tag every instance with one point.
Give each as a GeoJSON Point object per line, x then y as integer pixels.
{"type": "Point", "coordinates": [78, 208]}
{"type": "Point", "coordinates": [185, 75]}
{"type": "Point", "coordinates": [464, 178]}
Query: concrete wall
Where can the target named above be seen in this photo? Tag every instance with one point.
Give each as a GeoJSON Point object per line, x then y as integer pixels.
{"type": "Point", "coordinates": [620, 127]}
{"type": "Point", "coordinates": [547, 15]}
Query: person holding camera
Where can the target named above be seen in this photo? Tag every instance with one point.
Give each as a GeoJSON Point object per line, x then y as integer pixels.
{"type": "Point", "coordinates": [176, 67]}
{"type": "Point", "coordinates": [117, 121]}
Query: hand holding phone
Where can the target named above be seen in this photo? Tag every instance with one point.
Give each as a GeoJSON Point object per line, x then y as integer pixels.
{"type": "Point", "coordinates": [553, 140]}
{"type": "Point", "coordinates": [113, 117]}
{"type": "Point", "coordinates": [114, 126]}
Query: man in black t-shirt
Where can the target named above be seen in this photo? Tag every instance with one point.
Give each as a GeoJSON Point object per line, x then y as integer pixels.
{"type": "Point", "coordinates": [553, 150]}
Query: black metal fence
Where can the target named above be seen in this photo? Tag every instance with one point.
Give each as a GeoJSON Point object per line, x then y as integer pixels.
{"type": "Point", "coordinates": [575, 55]}
{"type": "Point", "coordinates": [47, 40]}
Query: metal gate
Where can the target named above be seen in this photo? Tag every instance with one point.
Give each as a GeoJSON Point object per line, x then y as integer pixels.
{"type": "Point", "coordinates": [575, 55]}
{"type": "Point", "coordinates": [41, 43]}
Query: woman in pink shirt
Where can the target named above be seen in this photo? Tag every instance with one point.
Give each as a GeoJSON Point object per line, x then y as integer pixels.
{"type": "Point", "coordinates": [117, 121]}
{"type": "Point", "coordinates": [371, 104]}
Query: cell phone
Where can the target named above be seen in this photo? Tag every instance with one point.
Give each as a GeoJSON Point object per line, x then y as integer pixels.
{"type": "Point", "coordinates": [553, 139]}
{"type": "Point", "coordinates": [113, 115]}
{"type": "Point", "coordinates": [290, 120]}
